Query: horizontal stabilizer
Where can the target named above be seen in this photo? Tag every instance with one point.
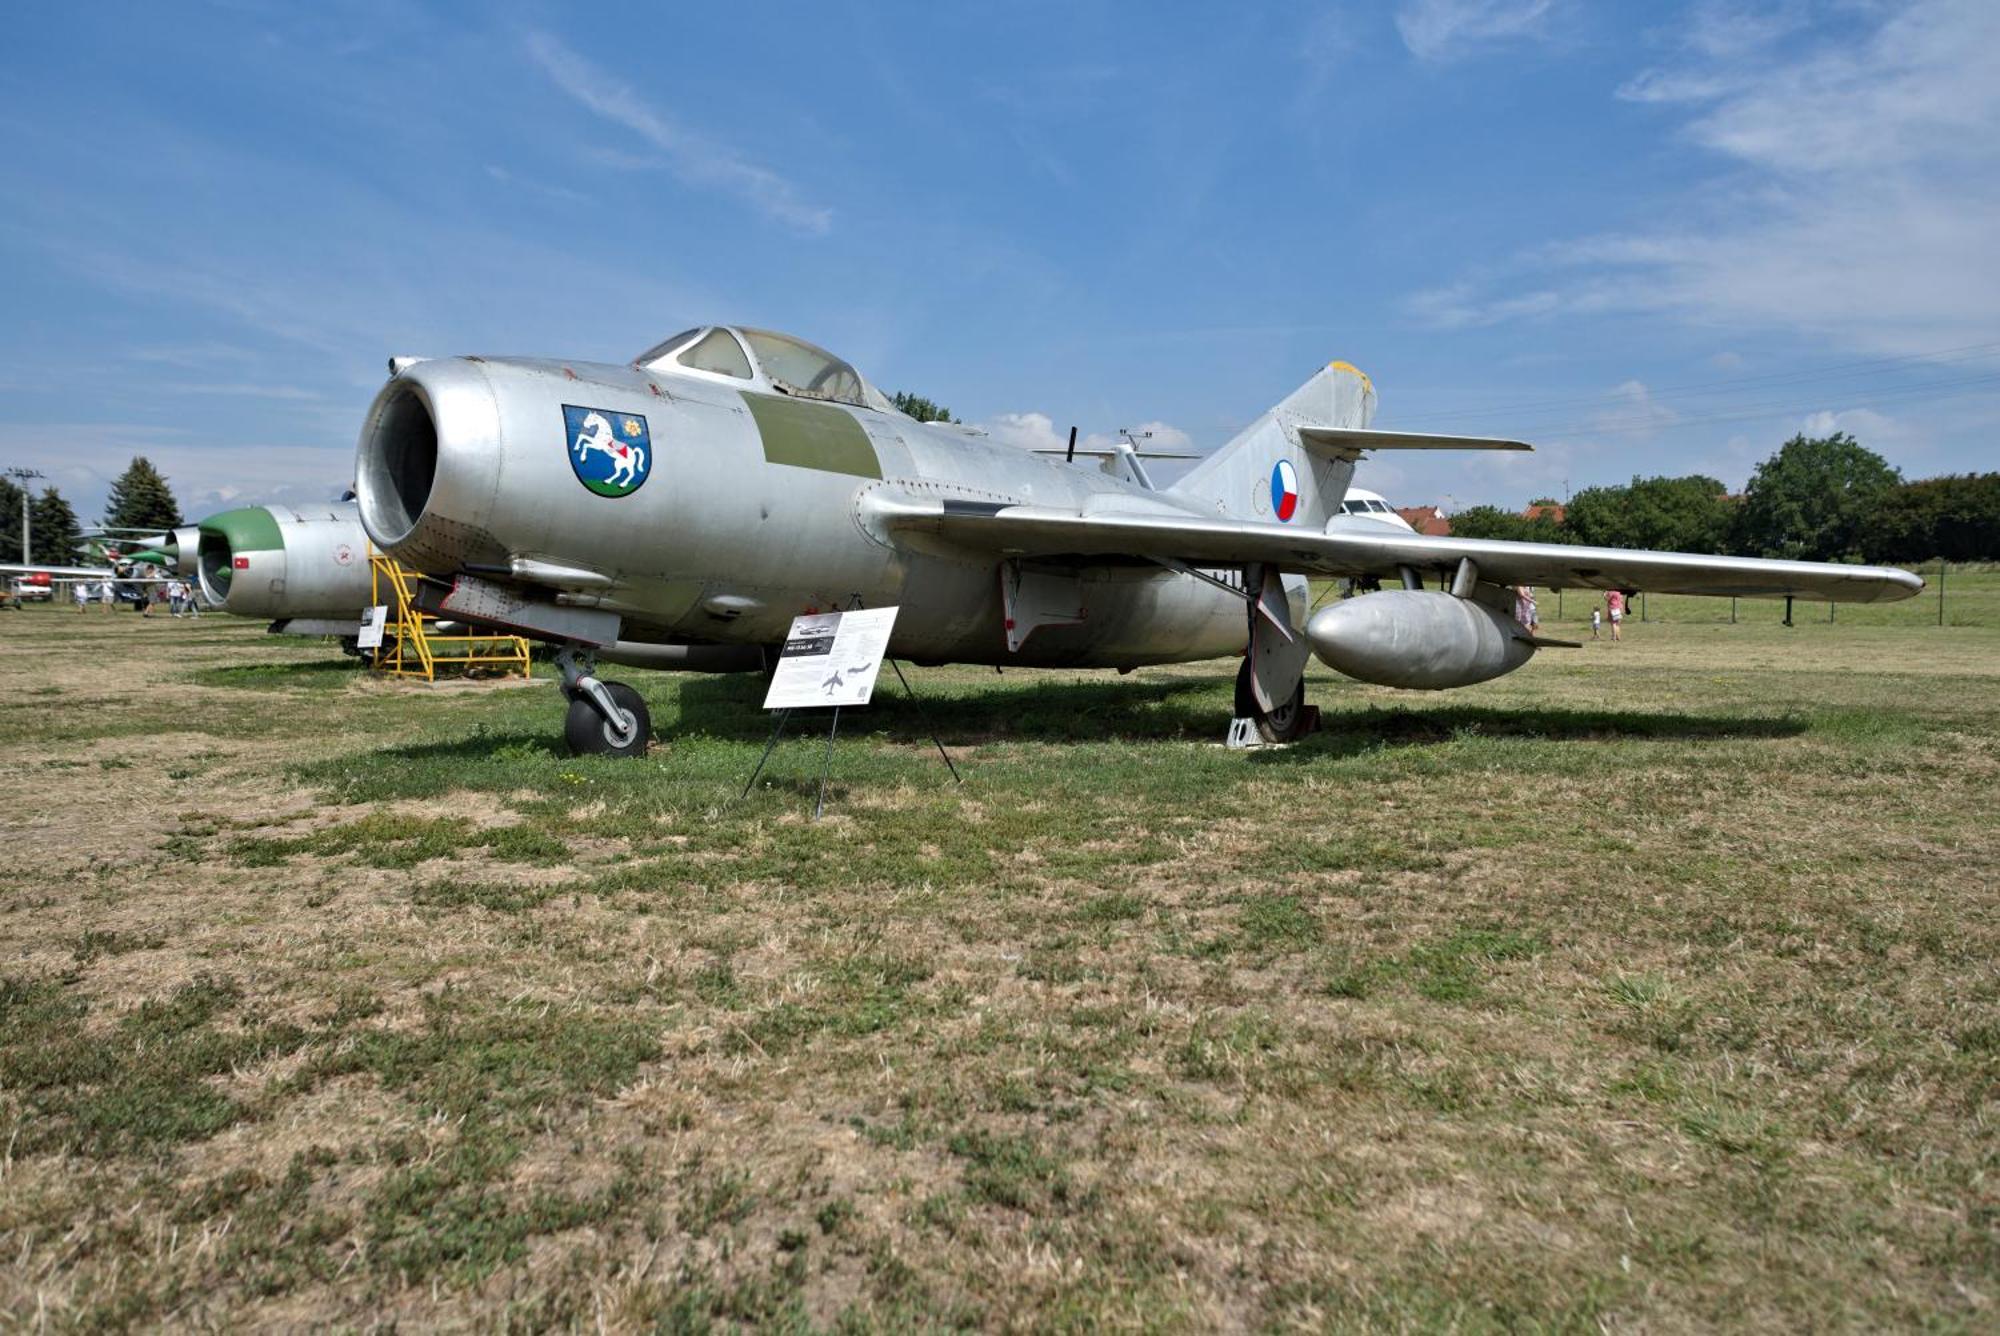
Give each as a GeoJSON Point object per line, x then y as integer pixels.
{"type": "Point", "coordinates": [1101, 452]}
{"type": "Point", "coordinates": [1351, 441]}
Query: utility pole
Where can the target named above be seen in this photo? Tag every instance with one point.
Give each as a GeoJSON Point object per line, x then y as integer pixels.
{"type": "Point", "coordinates": [24, 477]}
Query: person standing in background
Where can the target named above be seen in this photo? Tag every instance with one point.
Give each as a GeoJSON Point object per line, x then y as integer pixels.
{"type": "Point", "coordinates": [1614, 608]}
{"type": "Point", "coordinates": [1525, 611]}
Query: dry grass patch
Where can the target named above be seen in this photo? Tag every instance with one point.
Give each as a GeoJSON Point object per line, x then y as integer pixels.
{"type": "Point", "coordinates": [1647, 991]}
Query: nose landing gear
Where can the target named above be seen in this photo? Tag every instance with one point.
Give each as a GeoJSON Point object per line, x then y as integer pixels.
{"type": "Point", "coordinates": [605, 718]}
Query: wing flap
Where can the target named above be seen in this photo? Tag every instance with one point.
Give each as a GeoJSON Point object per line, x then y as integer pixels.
{"type": "Point", "coordinates": [59, 572]}
{"type": "Point", "coordinates": [1043, 532]}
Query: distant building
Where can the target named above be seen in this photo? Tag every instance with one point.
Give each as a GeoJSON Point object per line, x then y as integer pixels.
{"type": "Point", "coordinates": [1551, 509]}
{"type": "Point", "coordinates": [1426, 520]}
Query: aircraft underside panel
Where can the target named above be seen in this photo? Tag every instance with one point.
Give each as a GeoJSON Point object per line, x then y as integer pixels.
{"type": "Point", "coordinates": [958, 612]}
{"type": "Point", "coordinates": [1128, 617]}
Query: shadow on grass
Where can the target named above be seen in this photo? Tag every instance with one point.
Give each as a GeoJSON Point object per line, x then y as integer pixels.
{"type": "Point", "coordinates": [1350, 734]}
{"type": "Point", "coordinates": [304, 673]}
{"type": "Point", "coordinates": [1090, 711]}
{"type": "Point", "coordinates": [729, 709]}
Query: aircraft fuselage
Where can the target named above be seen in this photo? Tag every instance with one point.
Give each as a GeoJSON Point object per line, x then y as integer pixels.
{"type": "Point", "coordinates": [751, 508]}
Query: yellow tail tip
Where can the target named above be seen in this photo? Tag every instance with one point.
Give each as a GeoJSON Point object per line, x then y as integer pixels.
{"type": "Point", "coordinates": [1352, 370]}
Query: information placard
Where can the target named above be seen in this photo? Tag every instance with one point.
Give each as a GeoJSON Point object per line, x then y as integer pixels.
{"type": "Point", "coordinates": [372, 620]}
{"type": "Point", "coordinates": [831, 658]}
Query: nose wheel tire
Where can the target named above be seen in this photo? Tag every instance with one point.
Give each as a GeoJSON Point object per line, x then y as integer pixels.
{"type": "Point", "coordinates": [1283, 724]}
{"type": "Point", "coordinates": [589, 733]}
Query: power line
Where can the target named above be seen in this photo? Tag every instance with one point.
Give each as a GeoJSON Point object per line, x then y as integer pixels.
{"type": "Point", "coordinates": [1936, 357]}
{"type": "Point", "coordinates": [1955, 389]}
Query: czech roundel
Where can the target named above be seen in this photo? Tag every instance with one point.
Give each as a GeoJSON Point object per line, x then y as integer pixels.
{"type": "Point", "coordinates": [1284, 490]}
{"type": "Point", "coordinates": [612, 453]}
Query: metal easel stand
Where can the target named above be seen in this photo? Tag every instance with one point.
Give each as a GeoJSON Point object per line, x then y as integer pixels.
{"type": "Point", "coordinates": [826, 761]}
{"type": "Point", "coordinates": [783, 717]}
{"type": "Point", "coordinates": [826, 766]}
{"type": "Point", "coordinates": [935, 740]}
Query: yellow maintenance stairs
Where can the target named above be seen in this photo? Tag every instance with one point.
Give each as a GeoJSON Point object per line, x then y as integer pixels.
{"type": "Point", "coordinates": [411, 645]}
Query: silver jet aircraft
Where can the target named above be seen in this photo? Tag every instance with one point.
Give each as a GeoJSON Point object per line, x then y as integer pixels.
{"type": "Point", "coordinates": [679, 511]}
{"type": "Point", "coordinates": [303, 567]}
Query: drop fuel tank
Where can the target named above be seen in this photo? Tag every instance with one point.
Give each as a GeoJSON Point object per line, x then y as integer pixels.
{"type": "Point", "coordinates": [1421, 639]}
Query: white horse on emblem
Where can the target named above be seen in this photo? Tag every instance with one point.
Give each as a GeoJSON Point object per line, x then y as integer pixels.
{"type": "Point", "coordinates": [627, 461]}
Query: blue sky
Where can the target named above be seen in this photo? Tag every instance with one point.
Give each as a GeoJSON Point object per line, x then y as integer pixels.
{"type": "Point", "coordinates": [1650, 238]}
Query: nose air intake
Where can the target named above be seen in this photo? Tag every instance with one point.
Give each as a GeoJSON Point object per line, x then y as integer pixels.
{"type": "Point", "coordinates": [213, 565]}
{"type": "Point", "coordinates": [399, 457]}
{"type": "Point", "coordinates": [427, 465]}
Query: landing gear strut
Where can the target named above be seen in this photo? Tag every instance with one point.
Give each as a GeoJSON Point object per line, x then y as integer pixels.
{"type": "Point", "coordinates": [605, 718]}
{"type": "Point", "coordinates": [1283, 724]}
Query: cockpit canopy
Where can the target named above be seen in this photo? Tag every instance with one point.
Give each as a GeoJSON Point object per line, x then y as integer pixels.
{"type": "Point", "coordinates": [762, 359]}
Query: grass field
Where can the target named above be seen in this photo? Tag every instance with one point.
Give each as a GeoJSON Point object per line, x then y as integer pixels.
{"type": "Point", "coordinates": [1654, 986]}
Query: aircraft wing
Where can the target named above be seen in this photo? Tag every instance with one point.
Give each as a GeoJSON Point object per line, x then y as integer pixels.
{"type": "Point", "coordinates": [1193, 540]}
{"type": "Point", "coordinates": [61, 572]}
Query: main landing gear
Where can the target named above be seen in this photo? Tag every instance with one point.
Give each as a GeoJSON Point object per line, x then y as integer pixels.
{"type": "Point", "coordinates": [605, 718]}
{"type": "Point", "coordinates": [1283, 724]}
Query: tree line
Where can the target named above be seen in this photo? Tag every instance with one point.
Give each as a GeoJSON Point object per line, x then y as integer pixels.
{"type": "Point", "coordinates": [140, 499]}
{"type": "Point", "coordinates": [1824, 498]}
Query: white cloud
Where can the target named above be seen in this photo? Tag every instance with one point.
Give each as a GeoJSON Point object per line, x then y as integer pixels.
{"type": "Point", "coordinates": [193, 354]}
{"type": "Point", "coordinates": [1037, 431]}
{"type": "Point", "coordinates": [1446, 30]}
{"type": "Point", "coordinates": [561, 194]}
{"type": "Point", "coordinates": [1730, 28]}
{"type": "Point", "coordinates": [1327, 41]}
{"type": "Point", "coordinates": [1878, 431]}
{"type": "Point", "coordinates": [1636, 411]}
{"type": "Point", "coordinates": [245, 390]}
{"type": "Point", "coordinates": [694, 158]}
{"type": "Point", "coordinates": [83, 459]}
{"type": "Point", "coordinates": [1464, 306]}
{"type": "Point", "coordinates": [1030, 431]}
{"type": "Point", "coordinates": [1863, 178]}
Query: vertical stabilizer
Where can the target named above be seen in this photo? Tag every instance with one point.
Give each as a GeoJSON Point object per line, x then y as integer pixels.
{"type": "Point", "coordinates": [1266, 473]}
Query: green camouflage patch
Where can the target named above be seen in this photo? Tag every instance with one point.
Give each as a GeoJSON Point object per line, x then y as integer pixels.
{"type": "Point", "coordinates": [813, 436]}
